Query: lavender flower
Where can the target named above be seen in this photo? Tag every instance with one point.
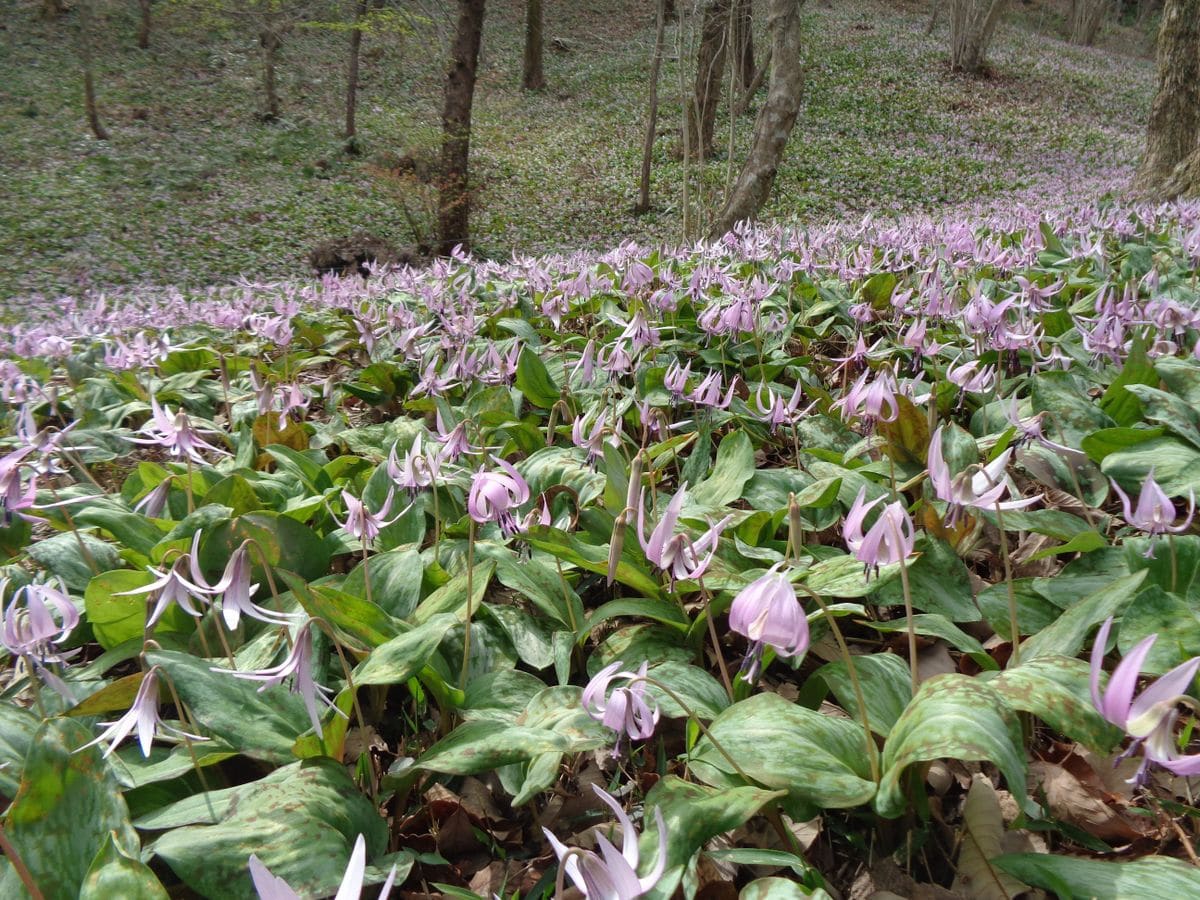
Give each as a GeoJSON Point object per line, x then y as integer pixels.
{"type": "Point", "coordinates": [272, 887]}
{"type": "Point", "coordinates": [872, 401]}
{"type": "Point", "coordinates": [419, 470]}
{"type": "Point", "coordinates": [677, 554]}
{"type": "Point", "coordinates": [142, 716]}
{"type": "Point", "coordinates": [626, 710]}
{"type": "Point", "coordinates": [172, 586]}
{"type": "Point", "coordinates": [364, 524]}
{"type": "Point", "coordinates": [234, 588]}
{"type": "Point", "coordinates": [889, 540]}
{"type": "Point", "coordinates": [495, 496]}
{"type": "Point", "coordinates": [1150, 719]}
{"type": "Point", "coordinates": [1155, 512]}
{"type": "Point", "coordinates": [298, 667]}
{"type": "Point", "coordinates": [610, 875]}
{"type": "Point", "coordinates": [175, 433]}
{"type": "Point", "coordinates": [767, 613]}
{"type": "Point", "coordinates": [32, 629]}
{"type": "Point", "coordinates": [979, 487]}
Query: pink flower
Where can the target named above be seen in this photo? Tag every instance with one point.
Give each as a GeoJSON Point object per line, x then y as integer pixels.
{"type": "Point", "coordinates": [364, 524]}
{"type": "Point", "coordinates": [271, 887]}
{"type": "Point", "coordinates": [234, 588]}
{"type": "Point", "coordinates": [1155, 511]}
{"type": "Point", "coordinates": [626, 710]}
{"type": "Point", "coordinates": [677, 554]}
{"type": "Point", "coordinates": [175, 433]}
{"type": "Point", "coordinates": [889, 540]}
{"type": "Point", "coordinates": [495, 496]}
{"type": "Point", "coordinates": [980, 487]}
{"type": "Point", "coordinates": [142, 716]}
{"type": "Point", "coordinates": [609, 875]}
{"type": "Point", "coordinates": [767, 613]}
{"type": "Point", "coordinates": [1150, 718]}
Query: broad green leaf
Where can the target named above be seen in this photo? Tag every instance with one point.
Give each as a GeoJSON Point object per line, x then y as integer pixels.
{"type": "Point", "coordinates": [733, 468]}
{"type": "Point", "coordinates": [17, 728]}
{"type": "Point", "coordinates": [262, 725]}
{"type": "Point", "coordinates": [395, 581]}
{"type": "Point", "coordinates": [282, 819]}
{"type": "Point", "coordinates": [287, 544]}
{"type": "Point", "coordinates": [941, 627]}
{"type": "Point", "coordinates": [907, 435]}
{"type": "Point", "coordinates": [819, 760]}
{"type": "Point", "coordinates": [63, 556]}
{"type": "Point", "coordinates": [1069, 410]}
{"type": "Point", "coordinates": [939, 583]}
{"type": "Point", "coordinates": [402, 657]}
{"type": "Point", "coordinates": [487, 744]}
{"type": "Point", "coordinates": [1075, 877]}
{"type": "Point", "coordinates": [131, 529]}
{"type": "Point", "coordinates": [1057, 690]}
{"type": "Point", "coordinates": [357, 621]}
{"type": "Point", "coordinates": [116, 874]}
{"type": "Point", "coordinates": [1066, 636]}
{"type": "Point", "coordinates": [534, 381]}
{"type": "Point", "coordinates": [67, 805]}
{"type": "Point", "coordinates": [567, 466]}
{"type": "Point", "coordinates": [570, 548]}
{"type": "Point", "coordinates": [845, 576]}
{"type": "Point", "coordinates": [886, 687]}
{"type": "Point", "coordinates": [952, 717]}
{"type": "Point", "coordinates": [776, 888]}
{"type": "Point", "coordinates": [1173, 620]}
{"type": "Point", "coordinates": [1176, 466]}
{"type": "Point", "coordinates": [1121, 404]}
{"type": "Point", "coordinates": [1100, 444]}
{"type": "Point", "coordinates": [700, 691]}
{"type": "Point", "coordinates": [1174, 563]}
{"type": "Point", "coordinates": [115, 618]}
{"type": "Point", "coordinates": [542, 586]}
{"type": "Point", "coordinates": [693, 814]}
{"type": "Point", "coordinates": [452, 597]}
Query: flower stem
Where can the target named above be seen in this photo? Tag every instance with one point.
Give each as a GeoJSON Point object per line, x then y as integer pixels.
{"type": "Point", "coordinates": [19, 866]}
{"type": "Point", "coordinates": [1015, 658]}
{"type": "Point", "coordinates": [462, 679]}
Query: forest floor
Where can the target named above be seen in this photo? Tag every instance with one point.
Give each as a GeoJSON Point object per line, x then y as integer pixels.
{"type": "Point", "coordinates": [193, 188]}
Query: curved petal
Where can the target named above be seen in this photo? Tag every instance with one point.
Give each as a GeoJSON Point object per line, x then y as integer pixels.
{"type": "Point", "coordinates": [1118, 698]}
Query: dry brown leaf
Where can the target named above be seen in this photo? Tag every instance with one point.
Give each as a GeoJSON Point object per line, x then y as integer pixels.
{"type": "Point", "coordinates": [935, 660]}
{"type": "Point", "coordinates": [1080, 804]}
{"type": "Point", "coordinates": [885, 880]}
{"type": "Point", "coordinates": [982, 840]}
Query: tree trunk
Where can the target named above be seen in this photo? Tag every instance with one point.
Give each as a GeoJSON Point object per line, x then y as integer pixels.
{"type": "Point", "coordinates": [710, 65]}
{"type": "Point", "coordinates": [972, 23]}
{"type": "Point", "coordinates": [775, 120]}
{"type": "Point", "coordinates": [454, 197]}
{"type": "Point", "coordinates": [533, 78]}
{"type": "Point", "coordinates": [1085, 20]}
{"type": "Point", "coordinates": [643, 201]}
{"type": "Point", "coordinates": [933, 17]}
{"type": "Point", "coordinates": [143, 35]}
{"type": "Point", "coordinates": [356, 36]}
{"type": "Point", "coordinates": [1185, 180]}
{"type": "Point", "coordinates": [1173, 131]}
{"type": "Point", "coordinates": [268, 38]}
{"type": "Point", "coordinates": [743, 44]}
{"type": "Point", "coordinates": [91, 110]}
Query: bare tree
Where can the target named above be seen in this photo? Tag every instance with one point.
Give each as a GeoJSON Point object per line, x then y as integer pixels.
{"type": "Point", "coordinates": [972, 23]}
{"type": "Point", "coordinates": [1173, 132]}
{"type": "Point", "coordinates": [643, 201]}
{"type": "Point", "coordinates": [742, 42]}
{"type": "Point", "coordinates": [775, 120]}
{"type": "Point", "coordinates": [143, 35]}
{"type": "Point", "coordinates": [1085, 19]}
{"type": "Point", "coordinates": [533, 77]}
{"type": "Point", "coordinates": [710, 67]}
{"type": "Point", "coordinates": [454, 196]}
{"type": "Point", "coordinates": [356, 36]}
{"type": "Point", "coordinates": [84, 42]}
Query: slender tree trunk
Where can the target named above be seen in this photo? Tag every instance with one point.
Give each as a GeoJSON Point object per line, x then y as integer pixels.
{"type": "Point", "coordinates": [775, 120]}
{"type": "Point", "coordinates": [643, 201]}
{"type": "Point", "coordinates": [710, 65]}
{"type": "Point", "coordinates": [268, 38]}
{"type": "Point", "coordinates": [356, 36]}
{"type": "Point", "coordinates": [1085, 20]}
{"type": "Point", "coordinates": [454, 197]}
{"type": "Point", "coordinates": [89, 76]}
{"type": "Point", "coordinates": [743, 44]}
{"type": "Point", "coordinates": [1173, 131]}
{"type": "Point", "coordinates": [972, 23]}
{"type": "Point", "coordinates": [533, 78]}
{"type": "Point", "coordinates": [143, 35]}
{"type": "Point", "coordinates": [743, 102]}
{"type": "Point", "coordinates": [933, 17]}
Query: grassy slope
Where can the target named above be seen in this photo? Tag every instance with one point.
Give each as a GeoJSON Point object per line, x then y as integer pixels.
{"type": "Point", "coordinates": [193, 189]}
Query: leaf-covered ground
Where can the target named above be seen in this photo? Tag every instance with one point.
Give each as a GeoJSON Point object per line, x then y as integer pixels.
{"type": "Point", "coordinates": [194, 189]}
{"type": "Point", "coordinates": [812, 549]}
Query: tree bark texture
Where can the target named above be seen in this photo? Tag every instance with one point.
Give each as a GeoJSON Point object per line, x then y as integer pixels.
{"type": "Point", "coordinates": [1174, 127]}
{"type": "Point", "coordinates": [356, 36]}
{"type": "Point", "coordinates": [1085, 19]}
{"type": "Point", "coordinates": [143, 35]}
{"type": "Point", "coordinates": [972, 23]}
{"type": "Point", "coordinates": [710, 69]}
{"type": "Point", "coordinates": [643, 201]}
{"type": "Point", "coordinates": [775, 120]}
{"type": "Point", "coordinates": [454, 197]}
{"type": "Point", "coordinates": [743, 44]}
{"type": "Point", "coordinates": [269, 40]}
{"type": "Point", "coordinates": [533, 76]}
{"type": "Point", "coordinates": [90, 107]}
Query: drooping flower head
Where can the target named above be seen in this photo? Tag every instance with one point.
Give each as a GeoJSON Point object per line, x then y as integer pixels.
{"type": "Point", "coordinates": [979, 487]}
{"type": "Point", "coordinates": [39, 618]}
{"type": "Point", "coordinates": [272, 887]}
{"type": "Point", "coordinates": [609, 874]}
{"type": "Point", "coordinates": [625, 710]}
{"type": "Point", "coordinates": [142, 717]}
{"type": "Point", "coordinates": [677, 554]}
{"type": "Point", "coordinates": [364, 524]}
{"type": "Point", "coordinates": [1150, 718]}
{"type": "Point", "coordinates": [495, 497]}
{"type": "Point", "coordinates": [889, 540]}
{"type": "Point", "coordinates": [176, 433]}
{"type": "Point", "coordinates": [1155, 511]}
{"type": "Point", "coordinates": [767, 613]}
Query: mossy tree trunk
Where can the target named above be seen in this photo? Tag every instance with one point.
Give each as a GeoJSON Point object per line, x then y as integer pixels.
{"type": "Point", "coordinates": [144, 20]}
{"type": "Point", "coordinates": [1173, 132]}
{"type": "Point", "coordinates": [972, 24]}
{"type": "Point", "coordinates": [454, 196]}
{"type": "Point", "coordinates": [710, 69]}
{"type": "Point", "coordinates": [90, 106]}
{"type": "Point", "coordinates": [1085, 19]}
{"type": "Point", "coordinates": [775, 120]}
{"type": "Point", "coordinates": [533, 76]}
{"type": "Point", "coordinates": [643, 201]}
{"type": "Point", "coordinates": [356, 36]}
